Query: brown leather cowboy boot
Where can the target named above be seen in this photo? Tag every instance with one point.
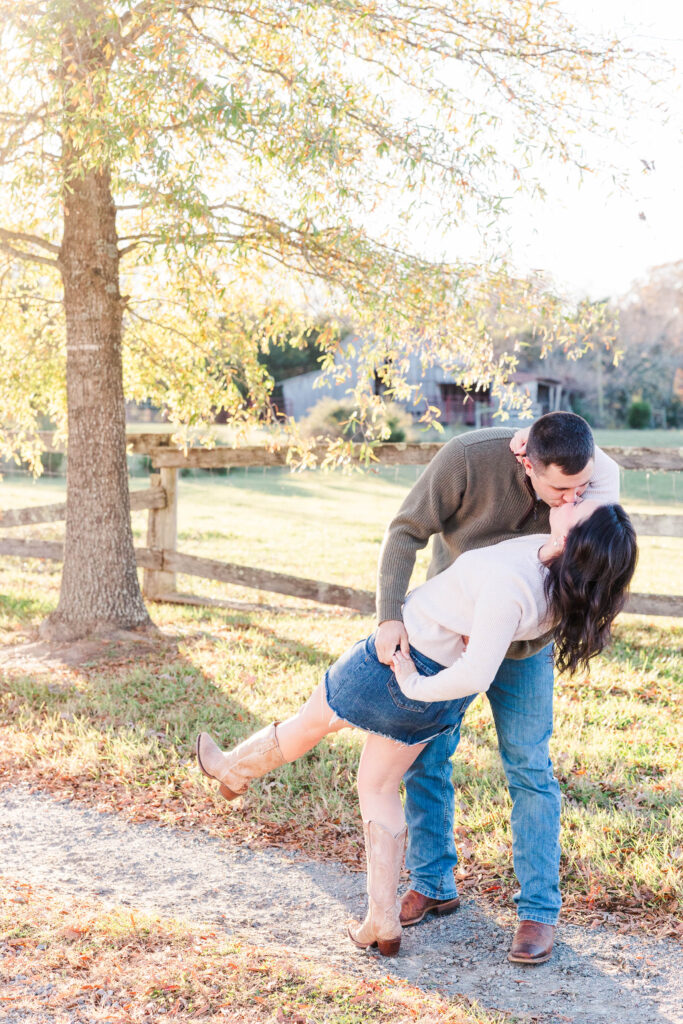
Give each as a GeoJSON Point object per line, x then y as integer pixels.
{"type": "Point", "coordinates": [251, 759]}
{"type": "Point", "coordinates": [384, 854]}
{"type": "Point", "coordinates": [415, 907]}
{"type": "Point", "coordinates": [532, 944]}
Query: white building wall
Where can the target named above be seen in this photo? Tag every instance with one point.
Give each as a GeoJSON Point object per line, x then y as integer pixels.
{"type": "Point", "coordinates": [302, 392]}
{"type": "Point", "coordinates": [300, 395]}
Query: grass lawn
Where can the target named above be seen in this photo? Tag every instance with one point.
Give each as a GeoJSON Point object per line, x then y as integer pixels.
{"type": "Point", "coordinates": [121, 737]}
{"type": "Point", "coordinates": [625, 438]}
{"type": "Point", "coordinates": [268, 517]}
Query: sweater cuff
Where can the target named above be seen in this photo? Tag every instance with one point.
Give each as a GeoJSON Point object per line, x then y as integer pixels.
{"type": "Point", "coordinates": [411, 686]}
{"type": "Point", "coordinates": [388, 610]}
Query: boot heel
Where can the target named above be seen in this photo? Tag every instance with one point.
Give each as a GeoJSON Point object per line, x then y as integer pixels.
{"type": "Point", "coordinates": [447, 908]}
{"type": "Point", "coordinates": [227, 793]}
{"type": "Point", "coordinates": [389, 947]}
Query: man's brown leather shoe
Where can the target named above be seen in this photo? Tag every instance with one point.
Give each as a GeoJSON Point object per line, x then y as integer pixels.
{"type": "Point", "coordinates": [415, 906]}
{"type": "Point", "coordinates": [532, 944]}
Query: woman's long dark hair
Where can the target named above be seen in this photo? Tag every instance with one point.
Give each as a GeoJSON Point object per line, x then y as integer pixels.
{"type": "Point", "coordinates": [586, 585]}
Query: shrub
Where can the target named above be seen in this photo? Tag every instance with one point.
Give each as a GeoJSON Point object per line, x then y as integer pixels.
{"type": "Point", "coordinates": [332, 418]}
{"type": "Point", "coordinates": [674, 413]}
{"type": "Point", "coordinates": [53, 463]}
{"type": "Point", "coordinates": [139, 465]}
{"type": "Point", "coordinates": [639, 414]}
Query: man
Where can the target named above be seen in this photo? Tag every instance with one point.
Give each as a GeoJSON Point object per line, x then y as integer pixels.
{"type": "Point", "coordinates": [476, 492]}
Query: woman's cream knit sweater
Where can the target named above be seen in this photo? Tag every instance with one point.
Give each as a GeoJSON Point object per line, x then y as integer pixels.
{"type": "Point", "coordinates": [492, 595]}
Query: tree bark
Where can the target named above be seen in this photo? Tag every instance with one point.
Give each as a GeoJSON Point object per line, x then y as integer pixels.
{"type": "Point", "coordinates": [100, 588]}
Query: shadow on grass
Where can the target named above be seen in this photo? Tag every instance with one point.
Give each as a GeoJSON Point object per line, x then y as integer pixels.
{"type": "Point", "coordinates": [159, 689]}
{"type": "Point", "coordinates": [121, 736]}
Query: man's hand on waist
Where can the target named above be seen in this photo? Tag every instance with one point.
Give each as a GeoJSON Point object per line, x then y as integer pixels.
{"type": "Point", "coordinates": [390, 635]}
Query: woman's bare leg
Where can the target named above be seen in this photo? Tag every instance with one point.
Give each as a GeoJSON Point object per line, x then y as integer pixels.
{"type": "Point", "coordinates": [302, 731]}
{"type": "Point", "coordinates": [383, 764]}
{"type": "Point", "coordinates": [269, 748]}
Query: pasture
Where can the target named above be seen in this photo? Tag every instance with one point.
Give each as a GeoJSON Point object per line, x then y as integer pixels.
{"type": "Point", "coordinates": [121, 737]}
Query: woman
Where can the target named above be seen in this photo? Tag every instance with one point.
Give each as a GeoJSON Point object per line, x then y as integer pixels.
{"type": "Point", "coordinates": [460, 625]}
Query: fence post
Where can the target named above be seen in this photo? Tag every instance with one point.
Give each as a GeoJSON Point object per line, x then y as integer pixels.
{"type": "Point", "coordinates": [162, 534]}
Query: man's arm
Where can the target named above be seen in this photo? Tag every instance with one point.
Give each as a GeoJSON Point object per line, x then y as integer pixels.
{"type": "Point", "coordinates": [434, 498]}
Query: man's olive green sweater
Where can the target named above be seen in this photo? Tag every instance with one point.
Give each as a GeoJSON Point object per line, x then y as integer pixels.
{"type": "Point", "coordinates": [473, 493]}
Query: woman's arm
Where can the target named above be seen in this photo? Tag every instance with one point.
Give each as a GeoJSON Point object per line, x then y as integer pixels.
{"type": "Point", "coordinates": [496, 618]}
{"type": "Point", "coordinates": [604, 484]}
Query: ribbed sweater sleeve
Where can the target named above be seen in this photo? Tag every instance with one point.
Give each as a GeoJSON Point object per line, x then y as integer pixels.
{"type": "Point", "coordinates": [435, 497]}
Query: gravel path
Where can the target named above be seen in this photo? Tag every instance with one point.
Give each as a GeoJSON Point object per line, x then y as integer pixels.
{"type": "Point", "coordinates": [595, 975]}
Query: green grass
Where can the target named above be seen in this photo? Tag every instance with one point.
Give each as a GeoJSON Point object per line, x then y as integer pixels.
{"type": "Point", "coordinates": [625, 438]}
{"type": "Point", "coordinates": [121, 735]}
{"type": "Point", "coordinates": [267, 518]}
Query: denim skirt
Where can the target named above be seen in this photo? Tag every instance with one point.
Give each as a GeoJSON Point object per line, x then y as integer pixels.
{"type": "Point", "coordinates": [365, 693]}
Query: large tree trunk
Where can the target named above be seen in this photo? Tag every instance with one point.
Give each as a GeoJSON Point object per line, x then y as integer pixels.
{"type": "Point", "coordinates": [100, 588]}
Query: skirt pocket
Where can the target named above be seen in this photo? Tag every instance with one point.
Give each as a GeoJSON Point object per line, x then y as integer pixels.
{"type": "Point", "coordinates": [405, 703]}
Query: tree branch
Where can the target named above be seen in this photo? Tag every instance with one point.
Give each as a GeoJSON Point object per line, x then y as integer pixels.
{"type": "Point", "coordinates": [21, 236]}
{"type": "Point", "coordinates": [171, 330]}
{"type": "Point", "coordinates": [144, 10]}
{"type": "Point", "coordinates": [14, 148]}
{"type": "Point", "coordinates": [129, 248]}
{"type": "Point", "coordinates": [28, 257]}
{"type": "Point", "coordinates": [221, 48]}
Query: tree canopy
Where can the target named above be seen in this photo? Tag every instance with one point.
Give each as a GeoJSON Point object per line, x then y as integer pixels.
{"type": "Point", "coordinates": [185, 184]}
{"type": "Point", "coordinates": [268, 161]}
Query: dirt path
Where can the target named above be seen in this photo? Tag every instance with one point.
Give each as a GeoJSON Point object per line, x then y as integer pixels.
{"type": "Point", "coordinates": [595, 975]}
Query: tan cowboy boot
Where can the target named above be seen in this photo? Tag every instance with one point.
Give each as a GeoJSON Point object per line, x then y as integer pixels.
{"type": "Point", "coordinates": [251, 759]}
{"type": "Point", "coordinates": [384, 854]}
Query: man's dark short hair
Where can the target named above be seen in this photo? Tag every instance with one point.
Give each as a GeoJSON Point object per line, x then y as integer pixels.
{"type": "Point", "coordinates": [562, 439]}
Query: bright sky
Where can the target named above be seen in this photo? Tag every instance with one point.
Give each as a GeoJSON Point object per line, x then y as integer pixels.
{"type": "Point", "coordinates": [594, 239]}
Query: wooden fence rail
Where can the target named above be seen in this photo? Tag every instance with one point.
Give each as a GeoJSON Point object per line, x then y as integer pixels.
{"type": "Point", "coordinates": [162, 562]}
{"type": "Point", "coordinates": [151, 497]}
{"type": "Point", "coordinates": [399, 454]}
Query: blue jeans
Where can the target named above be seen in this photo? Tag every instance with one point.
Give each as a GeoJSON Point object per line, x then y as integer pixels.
{"type": "Point", "coordinates": [521, 698]}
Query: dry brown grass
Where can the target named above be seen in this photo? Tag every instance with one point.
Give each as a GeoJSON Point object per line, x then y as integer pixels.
{"type": "Point", "coordinates": [71, 959]}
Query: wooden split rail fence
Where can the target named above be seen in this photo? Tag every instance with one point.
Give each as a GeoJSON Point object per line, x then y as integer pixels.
{"type": "Point", "coordinates": [162, 562]}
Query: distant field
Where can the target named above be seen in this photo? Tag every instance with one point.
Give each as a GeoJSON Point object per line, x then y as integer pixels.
{"type": "Point", "coordinates": [623, 437]}
{"type": "Point", "coordinates": [640, 438]}
{"type": "Point", "coordinates": [327, 525]}
{"type": "Point", "coordinates": [639, 488]}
